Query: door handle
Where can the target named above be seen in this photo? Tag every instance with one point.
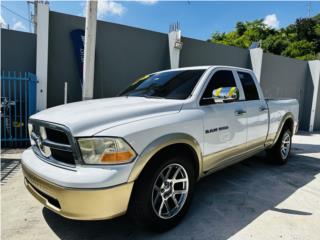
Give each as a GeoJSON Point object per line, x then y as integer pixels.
{"type": "Point", "coordinates": [263, 108]}
{"type": "Point", "coordinates": [239, 112]}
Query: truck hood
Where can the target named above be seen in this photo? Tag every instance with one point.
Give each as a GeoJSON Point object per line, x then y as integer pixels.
{"type": "Point", "coordinates": [87, 118]}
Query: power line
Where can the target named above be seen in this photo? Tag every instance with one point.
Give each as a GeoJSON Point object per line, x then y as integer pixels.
{"type": "Point", "coordinates": [13, 12]}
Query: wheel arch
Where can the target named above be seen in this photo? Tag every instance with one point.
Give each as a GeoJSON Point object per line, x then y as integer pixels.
{"type": "Point", "coordinates": [286, 122]}
{"type": "Point", "coordinates": [168, 142]}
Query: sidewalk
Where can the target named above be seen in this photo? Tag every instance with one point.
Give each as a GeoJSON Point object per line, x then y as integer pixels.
{"type": "Point", "coordinates": [14, 153]}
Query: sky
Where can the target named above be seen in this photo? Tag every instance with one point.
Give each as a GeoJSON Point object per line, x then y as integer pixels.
{"type": "Point", "coordinates": [198, 19]}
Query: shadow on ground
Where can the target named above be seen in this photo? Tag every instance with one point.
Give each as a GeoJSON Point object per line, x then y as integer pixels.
{"type": "Point", "coordinates": [8, 168]}
{"type": "Point", "coordinates": [305, 148]}
{"type": "Point", "coordinates": [223, 204]}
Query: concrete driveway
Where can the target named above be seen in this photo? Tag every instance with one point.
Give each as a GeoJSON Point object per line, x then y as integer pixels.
{"type": "Point", "coordinates": [250, 200]}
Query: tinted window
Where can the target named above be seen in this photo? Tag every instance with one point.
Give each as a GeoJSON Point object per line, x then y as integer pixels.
{"type": "Point", "coordinates": [220, 79]}
{"type": "Point", "coordinates": [249, 88]}
{"type": "Point", "coordinates": [172, 85]}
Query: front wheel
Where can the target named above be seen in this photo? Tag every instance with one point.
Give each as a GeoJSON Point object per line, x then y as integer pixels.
{"type": "Point", "coordinates": [279, 153]}
{"type": "Point", "coordinates": [163, 193]}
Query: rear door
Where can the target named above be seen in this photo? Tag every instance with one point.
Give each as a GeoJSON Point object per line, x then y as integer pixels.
{"type": "Point", "coordinates": [225, 123]}
{"type": "Point", "coordinates": [257, 111]}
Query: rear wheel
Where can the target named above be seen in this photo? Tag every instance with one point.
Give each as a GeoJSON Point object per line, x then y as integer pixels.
{"type": "Point", "coordinates": [279, 153]}
{"type": "Point", "coordinates": [163, 193]}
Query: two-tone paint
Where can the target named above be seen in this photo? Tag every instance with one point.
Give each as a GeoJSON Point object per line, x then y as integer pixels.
{"type": "Point", "coordinates": [216, 135]}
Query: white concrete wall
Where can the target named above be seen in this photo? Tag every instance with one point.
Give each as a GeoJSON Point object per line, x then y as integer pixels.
{"type": "Point", "coordinates": [89, 49]}
{"type": "Point", "coordinates": [256, 56]}
{"type": "Point", "coordinates": [174, 37]}
{"type": "Point", "coordinates": [314, 67]}
{"type": "Point", "coordinates": [42, 55]}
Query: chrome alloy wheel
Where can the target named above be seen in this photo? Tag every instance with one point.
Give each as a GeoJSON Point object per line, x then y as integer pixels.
{"type": "Point", "coordinates": [285, 145]}
{"type": "Point", "coordinates": [170, 191]}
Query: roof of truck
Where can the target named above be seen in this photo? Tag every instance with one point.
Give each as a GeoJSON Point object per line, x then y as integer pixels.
{"type": "Point", "coordinates": [205, 67]}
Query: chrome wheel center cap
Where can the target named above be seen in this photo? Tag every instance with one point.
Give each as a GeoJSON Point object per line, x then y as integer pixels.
{"type": "Point", "coordinates": [167, 190]}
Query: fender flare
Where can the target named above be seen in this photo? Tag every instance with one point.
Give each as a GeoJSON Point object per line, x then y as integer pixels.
{"type": "Point", "coordinates": [287, 116]}
{"type": "Point", "coordinates": [160, 143]}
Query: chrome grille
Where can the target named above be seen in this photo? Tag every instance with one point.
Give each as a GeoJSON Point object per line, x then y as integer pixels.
{"type": "Point", "coordinates": [53, 143]}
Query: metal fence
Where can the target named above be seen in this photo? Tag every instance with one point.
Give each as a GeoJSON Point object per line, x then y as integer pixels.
{"type": "Point", "coordinates": [18, 102]}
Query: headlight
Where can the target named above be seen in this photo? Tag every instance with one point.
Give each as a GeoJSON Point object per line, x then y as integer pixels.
{"type": "Point", "coordinates": [105, 150]}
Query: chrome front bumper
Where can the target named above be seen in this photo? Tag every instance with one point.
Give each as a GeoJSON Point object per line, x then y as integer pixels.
{"type": "Point", "coordinates": [81, 204]}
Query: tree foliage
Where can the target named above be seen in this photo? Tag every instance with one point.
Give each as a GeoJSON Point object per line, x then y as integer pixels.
{"type": "Point", "coordinates": [300, 40]}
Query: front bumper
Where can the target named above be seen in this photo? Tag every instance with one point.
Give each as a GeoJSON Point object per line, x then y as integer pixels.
{"type": "Point", "coordinates": [81, 204]}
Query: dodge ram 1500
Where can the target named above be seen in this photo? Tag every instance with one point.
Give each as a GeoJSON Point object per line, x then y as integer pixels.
{"type": "Point", "coordinates": [143, 151]}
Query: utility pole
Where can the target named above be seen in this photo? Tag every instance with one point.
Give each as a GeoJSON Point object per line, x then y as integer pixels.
{"type": "Point", "coordinates": [34, 16]}
{"type": "Point", "coordinates": [309, 9]}
{"type": "Point", "coordinates": [89, 49]}
{"type": "Point", "coordinates": [29, 16]}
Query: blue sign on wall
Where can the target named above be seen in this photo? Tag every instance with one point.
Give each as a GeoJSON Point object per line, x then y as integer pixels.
{"type": "Point", "coordinates": [77, 36]}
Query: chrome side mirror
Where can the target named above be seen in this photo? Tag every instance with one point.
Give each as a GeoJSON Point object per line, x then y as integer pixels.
{"type": "Point", "coordinates": [225, 94]}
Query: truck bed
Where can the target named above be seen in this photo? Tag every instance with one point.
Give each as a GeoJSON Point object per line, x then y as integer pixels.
{"type": "Point", "coordinates": [277, 109]}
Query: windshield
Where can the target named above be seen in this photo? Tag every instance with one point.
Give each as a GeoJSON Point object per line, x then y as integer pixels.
{"type": "Point", "coordinates": [176, 84]}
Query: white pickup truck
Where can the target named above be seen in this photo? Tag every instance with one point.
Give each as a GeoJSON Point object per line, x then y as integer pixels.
{"type": "Point", "coordinates": [142, 152]}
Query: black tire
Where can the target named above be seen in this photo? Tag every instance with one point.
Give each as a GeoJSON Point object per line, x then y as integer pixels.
{"type": "Point", "coordinates": [142, 210]}
{"type": "Point", "coordinates": [274, 154]}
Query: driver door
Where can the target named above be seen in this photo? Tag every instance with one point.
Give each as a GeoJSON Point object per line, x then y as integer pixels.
{"type": "Point", "coordinates": [224, 120]}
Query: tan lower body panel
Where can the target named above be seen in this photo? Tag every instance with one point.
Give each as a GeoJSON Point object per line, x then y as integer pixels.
{"type": "Point", "coordinates": [231, 155]}
{"type": "Point", "coordinates": [81, 204]}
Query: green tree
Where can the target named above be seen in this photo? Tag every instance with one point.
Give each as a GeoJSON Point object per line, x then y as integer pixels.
{"type": "Point", "coordinates": [299, 40]}
{"type": "Point", "coordinates": [305, 28]}
{"type": "Point", "coordinates": [301, 50]}
{"type": "Point", "coordinates": [240, 28]}
{"type": "Point", "coordinates": [275, 43]}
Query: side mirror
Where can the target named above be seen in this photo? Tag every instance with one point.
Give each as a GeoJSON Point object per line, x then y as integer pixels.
{"type": "Point", "coordinates": [225, 94]}
{"type": "Point", "coordinates": [221, 95]}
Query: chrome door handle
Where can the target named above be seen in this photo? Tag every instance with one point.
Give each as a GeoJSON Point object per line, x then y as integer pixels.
{"type": "Point", "coordinates": [239, 112]}
{"type": "Point", "coordinates": [263, 108]}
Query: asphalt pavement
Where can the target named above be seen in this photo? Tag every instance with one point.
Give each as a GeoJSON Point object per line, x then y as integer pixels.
{"type": "Point", "coordinates": [249, 200]}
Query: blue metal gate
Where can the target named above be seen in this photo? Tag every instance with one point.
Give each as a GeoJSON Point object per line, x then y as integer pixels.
{"type": "Point", "coordinates": [18, 102]}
